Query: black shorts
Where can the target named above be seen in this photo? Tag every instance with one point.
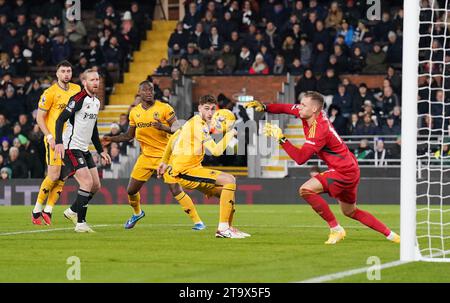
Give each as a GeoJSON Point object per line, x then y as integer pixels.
{"type": "Point", "coordinates": [75, 159]}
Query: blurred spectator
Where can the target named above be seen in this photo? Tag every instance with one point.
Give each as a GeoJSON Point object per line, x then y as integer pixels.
{"type": "Point", "coordinates": [327, 85]}
{"type": "Point", "coordinates": [94, 55]}
{"type": "Point", "coordinates": [164, 68]}
{"type": "Point", "coordinates": [306, 83]}
{"type": "Point", "coordinates": [306, 51]}
{"type": "Point", "coordinates": [375, 60]}
{"type": "Point", "coordinates": [259, 66]}
{"type": "Point", "coordinates": [113, 54]}
{"type": "Point", "coordinates": [319, 59]}
{"type": "Point", "coordinates": [41, 53]}
{"type": "Point", "coordinates": [245, 60]}
{"type": "Point", "coordinates": [75, 31]}
{"type": "Point", "coordinates": [199, 37]}
{"type": "Point", "coordinates": [18, 167]}
{"type": "Point", "coordinates": [192, 17]}
{"type": "Point", "coordinates": [389, 128]}
{"type": "Point", "coordinates": [343, 102]}
{"type": "Point", "coordinates": [357, 61]}
{"type": "Point", "coordinates": [123, 123]}
{"type": "Point", "coordinates": [32, 97]}
{"type": "Point", "coordinates": [61, 49]}
{"type": "Point", "coordinates": [5, 65]}
{"type": "Point", "coordinates": [279, 67]}
{"type": "Point", "coordinates": [364, 152]}
{"type": "Point", "coordinates": [380, 154]}
{"type": "Point", "coordinates": [296, 68]}
{"type": "Point", "coordinates": [115, 152]}
{"type": "Point", "coordinates": [352, 125]}
{"type": "Point", "coordinates": [334, 16]}
{"type": "Point", "coordinates": [367, 127]}
{"type": "Point", "coordinates": [394, 49]}
{"type": "Point", "coordinates": [360, 98]}
{"type": "Point", "coordinates": [196, 68]}
{"type": "Point", "coordinates": [220, 68]}
{"type": "Point", "coordinates": [179, 37]}
{"type": "Point", "coordinates": [55, 27]}
{"type": "Point", "coordinates": [18, 62]}
{"type": "Point", "coordinates": [338, 121]}
{"type": "Point", "coordinates": [347, 32]}
{"type": "Point", "coordinates": [5, 148]}
{"type": "Point", "coordinates": [5, 173]}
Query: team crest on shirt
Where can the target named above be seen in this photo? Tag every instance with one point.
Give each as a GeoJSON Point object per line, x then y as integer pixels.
{"type": "Point", "coordinates": [156, 115]}
{"type": "Point", "coordinates": [81, 161]}
{"type": "Point", "coordinates": [43, 100]}
{"type": "Point", "coordinates": [206, 130]}
{"type": "Point", "coordinates": [71, 106]}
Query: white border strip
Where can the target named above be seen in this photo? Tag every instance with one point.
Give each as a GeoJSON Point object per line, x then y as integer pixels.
{"type": "Point", "coordinates": [343, 274]}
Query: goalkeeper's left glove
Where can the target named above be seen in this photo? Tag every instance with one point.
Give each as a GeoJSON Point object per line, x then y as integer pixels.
{"type": "Point", "coordinates": [272, 130]}
{"type": "Point", "coordinates": [257, 105]}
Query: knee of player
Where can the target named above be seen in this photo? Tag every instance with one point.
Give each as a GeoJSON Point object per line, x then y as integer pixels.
{"type": "Point", "coordinates": [348, 212]}
{"type": "Point", "coordinates": [303, 191]}
{"type": "Point", "coordinates": [131, 191]}
{"type": "Point", "coordinates": [95, 187]}
{"type": "Point", "coordinates": [230, 179]}
{"type": "Point", "coordinates": [175, 189]}
{"type": "Point", "coordinates": [87, 184]}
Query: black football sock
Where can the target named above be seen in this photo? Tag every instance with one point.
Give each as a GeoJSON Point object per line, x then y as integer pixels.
{"type": "Point", "coordinates": [82, 204]}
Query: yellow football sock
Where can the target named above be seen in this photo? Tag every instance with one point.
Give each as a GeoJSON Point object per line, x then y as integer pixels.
{"type": "Point", "coordinates": [55, 192]}
{"type": "Point", "coordinates": [188, 206]}
{"type": "Point", "coordinates": [227, 202]}
{"type": "Point", "coordinates": [46, 187]}
{"type": "Point", "coordinates": [230, 220]}
{"type": "Point", "coordinates": [135, 202]}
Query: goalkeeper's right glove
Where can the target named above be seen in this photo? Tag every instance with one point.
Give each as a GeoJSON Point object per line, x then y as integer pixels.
{"type": "Point", "coordinates": [272, 130]}
{"type": "Point", "coordinates": [257, 105]}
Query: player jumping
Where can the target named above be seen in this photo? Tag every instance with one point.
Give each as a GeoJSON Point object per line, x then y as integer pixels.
{"type": "Point", "coordinates": [52, 103]}
{"type": "Point", "coordinates": [73, 146]}
{"type": "Point", "coordinates": [186, 150]}
{"type": "Point", "coordinates": [151, 122]}
{"type": "Point", "coordinates": [342, 177]}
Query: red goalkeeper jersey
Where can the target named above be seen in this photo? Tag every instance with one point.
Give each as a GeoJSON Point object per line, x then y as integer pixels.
{"type": "Point", "coordinates": [321, 139]}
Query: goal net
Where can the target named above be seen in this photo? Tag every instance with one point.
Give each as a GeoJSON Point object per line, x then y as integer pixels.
{"type": "Point", "coordinates": [425, 177]}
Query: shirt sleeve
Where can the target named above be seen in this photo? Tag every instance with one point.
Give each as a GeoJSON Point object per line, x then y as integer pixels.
{"type": "Point", "coordinates": [290, 109]}
{"type": "Point", "coordinates": [317, 138]}
{"type": "Point", "coordinates": [70, 110]}
{"type": "Point", "coordinates": [46, 100]}
{"type": "Point", "coordinates": [169, 113]}
{"type": "Point", "coordinates": [131, 121]}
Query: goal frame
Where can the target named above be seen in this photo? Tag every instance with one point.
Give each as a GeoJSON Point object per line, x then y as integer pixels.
{"type": "Point", "coordinates": [409, 250]}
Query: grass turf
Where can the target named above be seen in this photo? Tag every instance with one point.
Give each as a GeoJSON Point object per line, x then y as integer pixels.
{"type": "Point", "coordinates": [287, 245]}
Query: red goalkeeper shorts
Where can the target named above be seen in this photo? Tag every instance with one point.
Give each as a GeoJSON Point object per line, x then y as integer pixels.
{"type": "Point", "coordinates": [343, 187]}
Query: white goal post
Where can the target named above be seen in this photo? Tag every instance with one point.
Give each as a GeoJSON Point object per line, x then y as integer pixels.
{"type": "Point", "coordinates": [424, 190]}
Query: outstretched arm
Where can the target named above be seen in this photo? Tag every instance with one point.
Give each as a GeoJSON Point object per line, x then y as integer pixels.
{"type": "Point", "coordinates": [125, 137]}
{"type": "Point", "coordinates": [290, 109]}
{"type": "Point", "coordinates": [217, 149]}
{"type": "Point", "coordinates": [299, 155]}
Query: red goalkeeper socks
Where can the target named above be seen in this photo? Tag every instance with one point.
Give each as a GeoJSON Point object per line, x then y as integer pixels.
{"type": "Point", "coordinates": [320, 206]}
{"type": "Point", "coordinates": [369, 220]}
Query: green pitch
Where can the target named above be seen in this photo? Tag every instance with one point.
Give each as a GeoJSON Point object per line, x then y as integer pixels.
{"type": "Point", "coordinates": [286, 246]}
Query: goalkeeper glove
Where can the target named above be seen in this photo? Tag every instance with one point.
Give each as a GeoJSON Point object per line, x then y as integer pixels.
{"type": "Point", "coordinates": [257, 105]}
{"type": "Point", "coordinates": [272, 130]}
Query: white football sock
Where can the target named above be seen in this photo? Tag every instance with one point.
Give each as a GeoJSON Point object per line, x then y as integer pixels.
{"type": "Point", "coordinates": [48, 208]}
{"type": "Point", "coordinates": [223, 226]}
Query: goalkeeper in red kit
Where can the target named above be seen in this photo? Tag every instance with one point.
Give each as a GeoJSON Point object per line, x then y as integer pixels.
{"type": "Point", "coordinates": [341, 179]}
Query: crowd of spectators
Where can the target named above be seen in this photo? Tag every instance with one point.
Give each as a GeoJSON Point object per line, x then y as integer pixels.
{"type": "Point", "coordinates": [275, 37]}
{"type": "Point", "coordinates": [33, 39]}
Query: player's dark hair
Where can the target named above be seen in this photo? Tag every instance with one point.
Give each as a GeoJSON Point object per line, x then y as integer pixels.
{"type": "Point", "coordinates": [315, 96]}
{"type": "Point", "coordinates": [207, 99]}
{"type": "Point", "coordinates": [64, 63]}
{"type": "Point", "coordinates": [145, 82]}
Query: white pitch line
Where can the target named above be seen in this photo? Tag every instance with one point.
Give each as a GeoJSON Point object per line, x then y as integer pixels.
{"type": "Point", "coordinates": [343, 274]}
{"type": "Point", "coordinates": [45, 230]}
